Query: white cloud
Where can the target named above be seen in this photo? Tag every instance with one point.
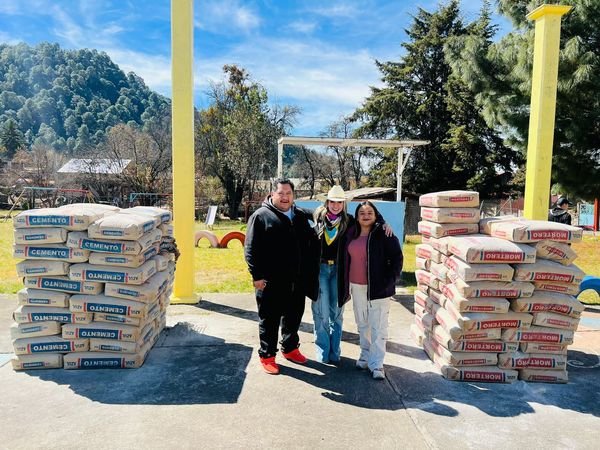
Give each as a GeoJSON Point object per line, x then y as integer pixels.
{"type": "Point", "coordinates": [225, 16]}
{"type": "Point", "coordinates": [340, 10]}
{"type": "Point", "coordinates": [302, 26]}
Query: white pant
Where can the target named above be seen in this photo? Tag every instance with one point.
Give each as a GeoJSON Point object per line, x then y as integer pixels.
{"type": "Point", "coordinates": [372, 322]}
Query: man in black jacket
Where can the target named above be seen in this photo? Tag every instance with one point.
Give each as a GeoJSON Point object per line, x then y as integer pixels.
{"type": "Point", "coordinates": [282, 253]}
{"type": "Point", "coordinates": [560, 213]}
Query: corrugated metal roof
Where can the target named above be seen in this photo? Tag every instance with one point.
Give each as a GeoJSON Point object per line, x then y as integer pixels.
{"type": "Point", "coordinates": [106, 166]}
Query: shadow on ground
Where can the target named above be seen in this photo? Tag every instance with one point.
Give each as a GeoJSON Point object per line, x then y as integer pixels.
{"type": "Point", "coordinates": [211, 371]}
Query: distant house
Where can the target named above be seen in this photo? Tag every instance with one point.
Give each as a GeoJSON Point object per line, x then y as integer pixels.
{"type": "Point", "coordinates": [96, 166]}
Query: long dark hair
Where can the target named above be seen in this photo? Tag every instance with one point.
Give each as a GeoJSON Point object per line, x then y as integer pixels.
{"type": "Point", "coordinates": [378, 216]}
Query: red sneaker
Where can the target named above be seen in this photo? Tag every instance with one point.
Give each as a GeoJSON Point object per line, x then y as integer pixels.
{"type": "Point", "coordinates": [269, 365]}
{"type": "Point", "coordinates": [295, 356]}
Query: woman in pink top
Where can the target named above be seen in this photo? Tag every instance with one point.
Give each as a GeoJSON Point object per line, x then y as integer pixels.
{"type": "Point", "coordinates": [372, 264]}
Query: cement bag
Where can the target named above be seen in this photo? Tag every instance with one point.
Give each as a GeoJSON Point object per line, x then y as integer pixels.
{"type": "Point", "coordinates": [112, 274]}
{"type": "Point", "coordinates": [442, 337]}
{"type": "Point", "coordinates": [146, 292]}
{"type": "Point", "coordinates": [478, 272]}
{"type": "Point", "coordinates": [417, 335]}
{"type": "Point", "coordinates": [127, 227]}
{"type": "Point", "coordinates": [542, 301]}
{"type": "Point", "coordinates": [102, 330]}
{"type": "Point", "coordinates": [450, 215]}
{"type": "Point", "coordinates": [37, 267]}
{"type": "Point", "coordinates": [540, 347]}
{"type": "Point", "coordinates": [49, 344]}
{"type": "Point", "coordinates": [450, 324]}
{"type": "Point", "coordinates": [461, 305]}
{"type": "Point", "coordinates": [37, 329]}
{"type": "Point", "coordinates": [440, 230]}
{"type": "Point", "coordinates": [71, 217]}
{"type": "Point", "coordinates": [482, 321]}
{"type": "Point", "coordinates": [28, 236]}
{"type": "Point", "coordinates": [513, 360]}
{"type": "Point", "coordinates": [419, 310]}
{"type": "Point", "coordinates": [116, 318]}
{"type": "Point", "coordinates": [63, 284]}
{"type": "Point", "coordinates": [428, 252]}
{"type": "Point", "coordinates": [104, 360]}
{"type": "Point", "coordinates": [162, 263]}
{"type": "Point", "coordinates": [109, 345]}
{"type": "Point", "coordinates": [486, 249]}
{"type": "Point", "coordinates": [523, 230]}
{"type": "Point", "coordinates": [26, 314]}
{"type": "Point", "coordinates": [164, 215]}
{"type": "Point", "coordinates": [422, 263]}
{"type": "Point", "coordinates": [427, 278]}
{"type": "Point", "coordinates": [552, 286]}
{"type": "Point", "coordinates": [548, 319]}
{"type": "Point", "coordinates": [486, 374]}
{"type": "Point", "coordinates": [109, 305]}
{"type": "Point", "coordinates": [463, 358]}
{"type": "Point", "coordinates": [107, 259]}
{"type": "Point", "coordinates": [544, 376]}
{"type": "Point", "coordinates": [555, 251]}
{"type": "Point", "coordinates": [154, 217]}
{"type": "Point", "coordinates": [544, 270]}
{"type": "Point", "coordinates": [539, 334]}
{"type": "Point", "coordinates": [39, 361]}
{"type": "Point", "coordinates": [437, 296]}
{"type": "Point", "coordinates": [450, 199]}
{"type": "Point", "coordinates": [440, 271]}
{"type": "Point", "coordinates": [40, 297]}
{"type": "Point", "coordinates": [439, 244]}
{"type": "Point", "coordinates": [424, 301]}
{"type": "Point", "coordinates": [504, 289]}
{"type": "Point", "coordinates": [485, 224]}
{"type": "Point", "coordinates": [422, 288]}
{"type": "Point", "coordinates": [547, 362]}
{"type": "Point", "coordinates": [167, 230]}
{"type": "Point", "coordinates": [428, 321]}
{"type": "Point", "coordinates": [82, 240]}
{"type": "Point", "coordinates": [58, 252]}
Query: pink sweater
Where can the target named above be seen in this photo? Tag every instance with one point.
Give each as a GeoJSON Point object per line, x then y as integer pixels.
{"type": "Point", "coordinates": [358, 260]}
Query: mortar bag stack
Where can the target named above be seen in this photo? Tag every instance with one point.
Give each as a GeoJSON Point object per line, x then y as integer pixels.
{"type": "Point", "coordinates": [556, 312]}
{"type": "Point", "coordinates": [124, 256]}
{"type": "Point", "coordinates": [40, 241]}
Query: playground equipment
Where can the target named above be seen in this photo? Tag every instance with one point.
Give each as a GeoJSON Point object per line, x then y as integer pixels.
{"type": "Point", "coordinates": [212, 238]}
{"type": "Point", "coordinates": [589, 282]}
{"type": "Point", "coordinates": [155, 198]}
{"type": "Point", "coordinates": [234, 235]}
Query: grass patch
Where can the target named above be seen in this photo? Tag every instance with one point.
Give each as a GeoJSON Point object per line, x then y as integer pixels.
{"type": "Point", "coordinates": [588, 260]}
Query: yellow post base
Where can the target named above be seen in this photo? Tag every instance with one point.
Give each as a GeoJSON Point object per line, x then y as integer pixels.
{"type": "Point", "coordinates": [193, 300]}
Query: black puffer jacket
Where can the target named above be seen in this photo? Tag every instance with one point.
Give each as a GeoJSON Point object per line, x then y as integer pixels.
{"type": "Point", "coordinates": [384, 262]}
{"type": "Point", "coordinates": [282, 251]}
{"type": "Point", "coordinates": [559, 215]}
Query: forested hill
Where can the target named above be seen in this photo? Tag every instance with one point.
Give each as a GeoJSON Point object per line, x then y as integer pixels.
{"type": "Point", "coordinates": [68, 99]}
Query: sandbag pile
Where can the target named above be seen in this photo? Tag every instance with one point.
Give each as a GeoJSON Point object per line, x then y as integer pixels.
{"type": "Point", "coordinates": [96, 286]}
{"type": "Point", "coordinates": [506, 309]}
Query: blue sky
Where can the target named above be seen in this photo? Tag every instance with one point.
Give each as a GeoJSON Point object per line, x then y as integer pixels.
{"type": "Point", "coordinates": [318, 55]}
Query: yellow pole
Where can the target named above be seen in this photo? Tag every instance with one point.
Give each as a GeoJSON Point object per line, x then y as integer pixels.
{"type": "Point", "coordinates": [543, 108]}
{"type": "Point", "coordinates": [182, 51]}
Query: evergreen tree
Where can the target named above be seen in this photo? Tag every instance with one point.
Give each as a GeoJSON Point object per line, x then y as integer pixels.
{"type": "Point", "coordinates": [421, 99]}
{"type": "Point", "coordinates": [11, 138]}
{"type": "Point", "coordinates": [501, 74]}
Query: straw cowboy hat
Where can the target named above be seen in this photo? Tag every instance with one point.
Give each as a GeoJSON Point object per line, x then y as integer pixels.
{"type": "Point", "coordinates": [336, 194]}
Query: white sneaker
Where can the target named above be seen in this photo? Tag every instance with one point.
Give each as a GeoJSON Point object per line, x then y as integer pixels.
{"type": "Point", "coordinates": [378, 374]}
{"type": "Point", "coordinates": [361, 364]}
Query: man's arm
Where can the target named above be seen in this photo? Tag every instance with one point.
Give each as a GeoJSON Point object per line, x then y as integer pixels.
{"type": "Point", "coordinates": [254, 243]}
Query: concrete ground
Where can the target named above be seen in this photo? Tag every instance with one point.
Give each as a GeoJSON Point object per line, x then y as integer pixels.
{"type": "Point", "coordinates": [202, 387]}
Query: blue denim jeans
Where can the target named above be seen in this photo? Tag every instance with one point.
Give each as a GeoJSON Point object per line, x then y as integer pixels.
{"type": "Point", "coordinates": [328, 316]}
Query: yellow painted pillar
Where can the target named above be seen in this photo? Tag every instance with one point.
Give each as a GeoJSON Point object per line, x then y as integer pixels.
{"type": "Point", "coordinates": [182, 54]}
{"type": "Point", "coordinates": [543, 108]}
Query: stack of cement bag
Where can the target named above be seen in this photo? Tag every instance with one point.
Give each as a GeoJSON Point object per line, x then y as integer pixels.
{"type": "Point", "coordinates": [96, 287]}
{"type": "Point", "coordinates": [445, 214]}
{"type": "Point", "coordinates": [490, 322]}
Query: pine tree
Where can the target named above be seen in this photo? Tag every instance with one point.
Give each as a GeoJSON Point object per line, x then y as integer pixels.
{"type": "Point", "coordinates": [11, 138]}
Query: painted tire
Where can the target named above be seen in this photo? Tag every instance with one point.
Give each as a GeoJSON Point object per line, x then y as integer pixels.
{"type": "Point", "coordinates": [214, 240]}
{"type": "Point", "coordinates": [234, 235]}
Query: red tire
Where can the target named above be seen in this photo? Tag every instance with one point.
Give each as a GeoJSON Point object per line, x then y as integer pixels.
{"type": "Point", "coordinates": [212, 238]}
{"type": "Point", "coordinates": [232, 236]}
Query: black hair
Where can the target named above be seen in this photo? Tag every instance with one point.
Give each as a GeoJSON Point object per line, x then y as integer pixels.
{"type": "Point", "coordinates": [378, 216]}
{"type": "Point", "coordinates": [277, 181]}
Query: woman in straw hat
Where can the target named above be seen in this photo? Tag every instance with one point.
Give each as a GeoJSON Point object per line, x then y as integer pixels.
{"type": "Point", "coordinates": [332, 221]}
